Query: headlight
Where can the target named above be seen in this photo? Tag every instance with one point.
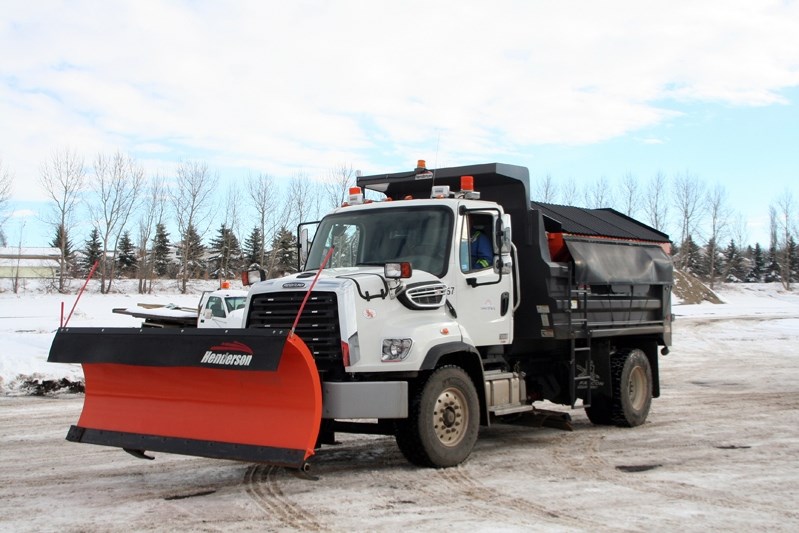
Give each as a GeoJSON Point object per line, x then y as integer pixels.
{"type": "Point", "coordinates": [395, 349]}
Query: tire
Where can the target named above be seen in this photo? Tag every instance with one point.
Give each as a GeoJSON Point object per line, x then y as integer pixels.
{"type": "Point", "coordinates": [631, 380]}
{"type": "Point", "coordinates": [443, 420]}
{"type": "Point", "coordinates": [600, 412]}
{"type": "Point", "coordinates": [632, 387]}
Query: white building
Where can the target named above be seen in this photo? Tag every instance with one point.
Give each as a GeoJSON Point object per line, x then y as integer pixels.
{"type": "Point", "coordinates": [18, 262]}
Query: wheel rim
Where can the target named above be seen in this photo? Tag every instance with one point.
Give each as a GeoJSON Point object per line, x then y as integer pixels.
{"type": "Point", "coordinates": [450, 417]}
{"type": "Point", "coordinates": [637, 388]}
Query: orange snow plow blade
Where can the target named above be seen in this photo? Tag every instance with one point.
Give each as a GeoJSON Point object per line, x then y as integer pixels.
{"type": "Point", "coordinates": [247, 394]}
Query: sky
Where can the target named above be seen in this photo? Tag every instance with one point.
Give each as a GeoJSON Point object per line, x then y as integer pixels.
{"type": "Point", "coordinates": [577, 90]}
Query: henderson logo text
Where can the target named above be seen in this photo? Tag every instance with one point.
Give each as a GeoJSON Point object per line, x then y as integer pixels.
{"type": "Point", "coordinates": [219, 354]}
{"type": "Point", "coordinates": [228, 359]}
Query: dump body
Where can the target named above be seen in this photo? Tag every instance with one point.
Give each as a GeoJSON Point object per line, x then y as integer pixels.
{"type": "Point", "coordinates": [400, 324]}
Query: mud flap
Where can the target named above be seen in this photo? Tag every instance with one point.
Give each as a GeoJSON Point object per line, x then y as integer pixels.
{"type": "Point", "coordinates": [250, 395]}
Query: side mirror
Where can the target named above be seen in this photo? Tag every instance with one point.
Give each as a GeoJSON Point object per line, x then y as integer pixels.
{"type": "Point", "coordinates": [249, 277]}
{"type": "Point", "coordinates": [304, 245]}
{"type": "Point", "coordinates": [505, 237]}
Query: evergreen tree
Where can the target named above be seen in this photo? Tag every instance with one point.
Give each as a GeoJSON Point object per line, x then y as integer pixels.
{"type": "Point", "coordinates": [253, 245]}
{"type": "Point", "coordinates": [691, 257]}
{"type": "Point", "coordinates": [62, 237]}
{"type": "Point", "coordinates": [92, 251]}
{"type": "Point", "coordinates": [712, 262]}
{"type": "Point", "coordinates": [194, 252]}
{"type": "Point", "coordinates": [284, 250]}
{"type": "Point", "coordinates": [225, 253]}
{"type": "Point", "coordinates": [126, 259]}
{"type": "Point", "coordinates": [772, 271]}
{"type": "Point", "coordinates": [755, 274]}
{"type": "Point", "coordinates": [160, 250]}
{"type": "Point", "coordinates": [734, 263]}
{"type": "Point", "coordinates": [793, 259]}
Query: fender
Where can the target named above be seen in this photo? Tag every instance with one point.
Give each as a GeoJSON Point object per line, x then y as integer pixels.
{"type": "Point", "coordinates": [467, 357]}
{"type": "Point", "coordinates": [437, 352]}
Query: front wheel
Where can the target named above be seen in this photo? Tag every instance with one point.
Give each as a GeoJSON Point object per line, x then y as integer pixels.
{"type": "Point", "coordinates": [443, 420]}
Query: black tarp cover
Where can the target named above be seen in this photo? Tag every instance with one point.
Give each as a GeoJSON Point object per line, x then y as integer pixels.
{"type": "Point", "coordinates": [599, 261]}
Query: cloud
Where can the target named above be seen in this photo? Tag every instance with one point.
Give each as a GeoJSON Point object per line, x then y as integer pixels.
{"type": "Point", "coordinates": [279, 86]}
{"type": "Point", "coordinates": [23, 213]}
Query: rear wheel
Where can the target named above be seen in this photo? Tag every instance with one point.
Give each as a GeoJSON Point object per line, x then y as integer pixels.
{"type": "Point", "coordinates": [631, 379]}
{"type": "Point", "coordinates": [443, 420]}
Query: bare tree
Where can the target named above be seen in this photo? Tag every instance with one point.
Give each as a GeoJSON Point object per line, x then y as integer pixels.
{"type": "Point", "coordinates": [784, 211]}
{"type": "Point", "coordinates": [191, 198]}
{"type": "Point", "coordinates": [656, 205]}
{"type": "Point", "coordinates": [628, 191]}
{"type": "Point", "coordinates": [62, 177]}
{"type": "Point", "coordinates": [301, 205]}
{"type": "Point", "coordinates": [232, 215]}
{"type": "Point", "coordinates": [569, 192]}
{"type": "Point", "coordinates": [263, 198]}
{"type": "Point", "coordinates": [6, 179]}
{"type": "Point", "coordinates": [151, 214]}
{"type": "Point", "coordinates": [599, 194]}
{"type": "Point", "coordinates": [302, 200]}
{"type": "Point", "coordinates": [336, 188]}
{"type": "Point", "coordinates": [546, 190]}
{"type": "Point", "coordinates": [719, 218]}
{"type": "Point", "coordinates": [739, 229]}
{"type": "Point", "coordinates": [689, 201]}
{"type": "Point", "coordinates": [115, 186]}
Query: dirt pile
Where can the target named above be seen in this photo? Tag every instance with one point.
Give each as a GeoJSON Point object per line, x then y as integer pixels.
{"type": "Point", "coordinates": [690, 290]}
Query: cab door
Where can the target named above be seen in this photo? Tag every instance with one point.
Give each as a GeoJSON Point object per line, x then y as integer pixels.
{"type": "Point", "coordinates": [482, 296]}
{"type": "Point", "coordinates": [213, 314]}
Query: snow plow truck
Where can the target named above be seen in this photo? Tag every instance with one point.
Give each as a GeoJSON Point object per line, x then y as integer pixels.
{"type": "Point", "coordinates": [393, 326]}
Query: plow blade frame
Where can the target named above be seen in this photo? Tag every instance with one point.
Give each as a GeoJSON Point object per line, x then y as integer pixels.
{"type": "Point", "coordinates": [243, 394]}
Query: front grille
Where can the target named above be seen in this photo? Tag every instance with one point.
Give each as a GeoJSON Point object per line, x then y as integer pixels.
{"type": "Point", "coordinates": [318, 326]}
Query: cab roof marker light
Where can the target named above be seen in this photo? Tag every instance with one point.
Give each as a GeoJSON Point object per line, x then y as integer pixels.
{"type": "Point", "coordinates": [440, 191]}
{"type": "Point", "coordinates": [467, 188]}
{"type": "Point", "coordinates": [355, 196]}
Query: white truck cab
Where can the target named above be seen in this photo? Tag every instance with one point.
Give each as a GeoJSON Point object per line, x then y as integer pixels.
{"type": "Point", "coordinates": [222, 308]}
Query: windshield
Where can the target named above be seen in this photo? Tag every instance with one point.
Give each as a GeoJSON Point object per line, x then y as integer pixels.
{"type": "Point", "coordinates": [419, 235]}
{"type": "Point", "coordinates": [235, 302]}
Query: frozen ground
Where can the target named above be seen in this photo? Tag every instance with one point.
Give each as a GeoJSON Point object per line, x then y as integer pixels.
{"type": "Point", "coordinates": [719, 451]}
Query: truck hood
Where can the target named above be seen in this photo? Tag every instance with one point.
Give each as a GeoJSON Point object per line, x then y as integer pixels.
{"type": "Point", "coordinates": [368, 278]}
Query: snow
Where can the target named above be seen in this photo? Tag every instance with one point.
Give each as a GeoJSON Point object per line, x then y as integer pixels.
{"type": "Point", "coordinates": [29, 319]}
{"type": "Point", "coordinates": [718, 451]}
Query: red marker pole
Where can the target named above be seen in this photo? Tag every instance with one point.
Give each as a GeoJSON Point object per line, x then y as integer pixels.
{"type": "Point", "coordinates": [91, 273]}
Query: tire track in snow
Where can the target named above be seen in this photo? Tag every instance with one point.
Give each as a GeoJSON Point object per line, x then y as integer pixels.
{"type": "Point", "coordinates": [262, 485]}
{"type": "Point", "coordinates": [494, 503]}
